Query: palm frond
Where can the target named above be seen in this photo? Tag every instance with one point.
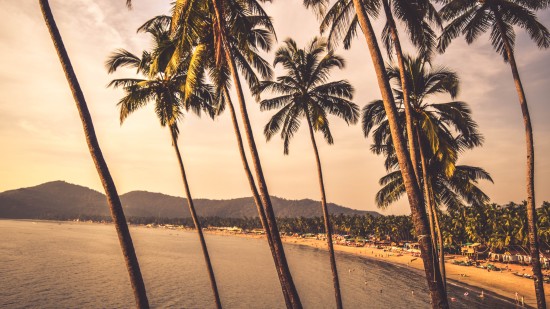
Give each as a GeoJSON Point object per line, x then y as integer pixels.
{"type": "Point", "coordinates": [372, 115]}
{"type": "Point", "coordinates": [122, 57]}
{"type": "Point", "coordinates": [390, 193]}
{"type": "Point", "coordinates": [277, 102]}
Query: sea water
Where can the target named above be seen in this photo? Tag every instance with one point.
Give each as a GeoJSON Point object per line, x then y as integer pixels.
{"type": "Point", "coordinates": [46, 264]}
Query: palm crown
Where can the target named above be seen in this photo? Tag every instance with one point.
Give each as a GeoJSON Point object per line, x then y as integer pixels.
{"type": "Point", "coordinates": [442, 130]}
{"type": "Point", "coordinates": [162, 83]}
{"type": "Point", "coordinates": [306, 92]}
{"type": "Point", "coordinates": [250, 30]}
{"type": "Point", "coordinates": [445, 128]}
{"type": "Point", "coordinates": [472, 18]}
{"type": "Point", "coordinates": [417, 16]}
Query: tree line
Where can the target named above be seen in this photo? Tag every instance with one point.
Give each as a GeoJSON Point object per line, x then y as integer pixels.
{"type": "Point", "coordinates": [500, 227]}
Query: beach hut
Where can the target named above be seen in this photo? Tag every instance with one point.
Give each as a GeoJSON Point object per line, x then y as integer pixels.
{"type": "Point", "coordinates": [258, 231]}
{"type": "Point", "coordinates": [382, 243]}
{"type": "Point", "coordinates": [471, 250]}
{"type": "Point", "coordinates": [413, 248]}
{"type": "Point", "coordinates": [360, 241]}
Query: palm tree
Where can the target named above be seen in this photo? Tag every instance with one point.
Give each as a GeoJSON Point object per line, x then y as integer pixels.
{"type": "Point", "coordinates": [306, 92]}
{"type": "Point", "coordinates": [202, 57]}
{"type": "Point", "coordinates": [472, 18]}
{"type": "Point", "coordinates": [254, 31]}
{"type": "Point", "coordinates": [416, 16]}
{"type": "Point", "coordinates": [441, 131]}
{"type": "Point", "coordinates": [163, 85]}
{"type": "Point", "coordinates": [113, 199]}
{"type": "Point", "coordinates": [360, 9]}
{"type": "Point", "coordinates": [190, 19]}
{"type": "Point", "coordinates": [423, 37]}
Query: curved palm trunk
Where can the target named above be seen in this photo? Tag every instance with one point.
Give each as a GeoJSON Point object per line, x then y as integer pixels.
{"type": "Point", "coordinates": [530, 173]}
{"type": "Point", "coordinates": [428, 200]}
{"type": "Point", "coordinates": [328, 227]}
{"type": "Point", "coordinates": [437, 290]}
{"type": "Point", "coordinates": [113, 199]}
{"type": "Point", "coordinates": [283, 270]}
{"type": "Point", "coordinates": [252, 184]}
{"type": "Point", "coordinates": [405, 88]}
{"type": "Point", "coordinates": [197, 223]}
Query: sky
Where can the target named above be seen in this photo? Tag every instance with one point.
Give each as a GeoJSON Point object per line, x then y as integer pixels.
{"type": "Point", "coordinates": [41, 137]}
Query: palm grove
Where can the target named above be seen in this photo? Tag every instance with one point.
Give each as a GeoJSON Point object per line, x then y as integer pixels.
{"type": "Point", "coordinates": [208, 50]}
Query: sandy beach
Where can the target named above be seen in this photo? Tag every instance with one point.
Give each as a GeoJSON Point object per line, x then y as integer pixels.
{"type": "Point", "coordinates": [503, 283]}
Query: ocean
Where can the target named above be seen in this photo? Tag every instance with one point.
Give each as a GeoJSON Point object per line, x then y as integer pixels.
{"type": "Point", "coordinates": [47, 264]}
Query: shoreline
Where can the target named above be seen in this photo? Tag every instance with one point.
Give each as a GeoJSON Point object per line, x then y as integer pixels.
{"type": "Point", "coordinates": [501, 284]}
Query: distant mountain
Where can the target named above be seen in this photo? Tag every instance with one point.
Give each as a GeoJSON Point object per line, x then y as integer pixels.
{"type": "Point", "coordinates": [59, 198]}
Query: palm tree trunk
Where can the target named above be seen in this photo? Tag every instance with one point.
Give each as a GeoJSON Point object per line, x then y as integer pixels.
{"type": "Point", "coordinates": [252, 184]}
{"type": "Point", "coordinates": [196, 222]}
{"type": "Point", "coordinates": [531, 210]}
{"type": "Point", "coordinates": [405, 88]}
{"type": "Point", "coordinates": [437, 290]}
{"type": "Point", "coordinates": [113, 199]}
{"type": "Point", "coordinates": [440, 241]}
{"type": "Point", "coordinates": [284, 272]}
{"type": "Point", "coordinates": [328, 227]}
{"type": "Point", "coordinates": [432, 210]}
{"type": "Point", "coordinates": [427, 198]}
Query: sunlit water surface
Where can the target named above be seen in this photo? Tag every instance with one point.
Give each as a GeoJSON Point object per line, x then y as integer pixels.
{"type": "Point", "coordinates": [79, 265]}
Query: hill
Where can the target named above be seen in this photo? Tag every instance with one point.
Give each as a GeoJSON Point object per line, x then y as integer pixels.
{"type": "Point", "coordinates": [62, 199]}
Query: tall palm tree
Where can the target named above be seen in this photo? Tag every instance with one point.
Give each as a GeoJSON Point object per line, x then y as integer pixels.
{"type": "Point", "coordinates": [421, 34]}
{"type": "Point", "coordinates": [190, 19]}
{"type": "Point", "coordinates": [472, 18]}
{"type": "Point", "coordinates": [202, 59]}
{"type": "Point", "coordinates": [113, 199]}
{"type": "Point", "coordinates": [163, 86]}
{"type": "Point", "coordinates": [416, 16]}
{"type": "Point", "coordinates": [441, 130]}
{"type": "Point", "coordinates": [306, 92]}
{"type": "Point", "coordinates": [253, 32]}
{"type": "Point", "coordinates": [361, 9]}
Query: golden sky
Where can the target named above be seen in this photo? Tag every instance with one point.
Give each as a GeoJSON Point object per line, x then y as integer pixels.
{"type": "Point", "coordinates": [41, 135]}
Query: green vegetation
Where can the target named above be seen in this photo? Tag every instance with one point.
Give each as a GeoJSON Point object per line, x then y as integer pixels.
{"type": "Point", "coordinates": [465, 224]}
